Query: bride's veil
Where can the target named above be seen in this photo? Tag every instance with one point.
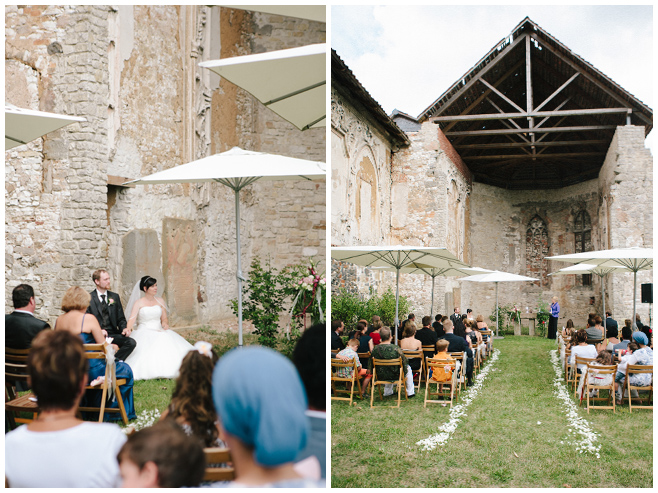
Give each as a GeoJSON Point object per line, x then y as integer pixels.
{"type": "Point", "coordinates": [137, 294]}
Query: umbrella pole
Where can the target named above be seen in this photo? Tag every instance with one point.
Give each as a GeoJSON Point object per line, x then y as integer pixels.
{"type": "Point", "coordinates": [605, 327]}
{"type": "Point", "coordinates": [432, 305]}
{"type": "Point", "coordinates": [239, 271]}
{"type": "Point", "coordinates": [634, 295]}
{"type": "Point", "coordinates": [497, 336]}
{"type": "Point", "coordinates": [397, 301]}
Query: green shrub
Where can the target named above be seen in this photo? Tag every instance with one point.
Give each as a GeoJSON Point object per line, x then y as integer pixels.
{"type": "Point", "coordinates": [350, 308]}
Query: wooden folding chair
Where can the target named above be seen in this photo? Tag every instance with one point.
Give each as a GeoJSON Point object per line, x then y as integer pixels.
{"type": "Point", "coordinates": [97, 351]}
{"type": "Point", "coordinates": [353, 380]}
{"type": "Point", "coordinates": [590, 384]}
{"type": "Point", "coordinates": [16, 371]}
{"type": "Point", "coordinates": [461, 373]}
{"type": "Point", "coordinates": [579, 360]}
{"type": "Point", "coordinates": [364, 357]}
{"type": "Point", "coordinates": [567, 367]}
{"type": "Point", "coordinates": [432, 365]}
{"type": "Point", "coordinates": [374, 382]}
{"type": "Point", "coordinates": [218, 456]}
{"type": "Point", "coordinates": [417, 353]}
{"type": "Point", "coordinates": [635, 369]}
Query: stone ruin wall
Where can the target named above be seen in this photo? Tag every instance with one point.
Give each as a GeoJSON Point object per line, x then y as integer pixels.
{"type": "Point", "coordinates": [76, 222]}
{"type": "Point", "coordinates": [626, 190]}
{"type": "Point", "coordinates": [360, 178]}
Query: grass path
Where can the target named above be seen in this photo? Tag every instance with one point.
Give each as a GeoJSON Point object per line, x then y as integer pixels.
{"type": "Point", "coordinates": [498, 442]}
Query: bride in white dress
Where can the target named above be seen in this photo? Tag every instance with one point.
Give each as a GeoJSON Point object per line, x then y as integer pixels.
{"type": "Point", "coordinates": [159, 350]}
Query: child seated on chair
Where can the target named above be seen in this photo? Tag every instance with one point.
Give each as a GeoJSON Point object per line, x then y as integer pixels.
{"type": "Point", "coordinates": [621, 369]}
{"type": "Point", "coordinates": [350, 354]}
{"type": "Point", "coordinates": [442, 373]}
{"type": "Point", "coordinates": [604, 358]}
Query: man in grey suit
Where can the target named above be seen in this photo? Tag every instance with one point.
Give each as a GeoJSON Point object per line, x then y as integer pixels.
{"type": "Point", "coordinates": [21, 326]}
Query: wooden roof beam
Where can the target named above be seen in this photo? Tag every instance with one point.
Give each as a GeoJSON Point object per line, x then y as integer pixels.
{"type": "Point", "coordinates": [503, 131]}
{"type": "Point", "coordinates": [557, 91]}
{"type": "Point", "coordinates": [532, 114]}
{"type": "Point", "coordinates": [538, 156]}
{"type": "Point", "coordinates": [502, 145]}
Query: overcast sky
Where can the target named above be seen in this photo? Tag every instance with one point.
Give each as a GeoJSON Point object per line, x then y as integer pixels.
{"type": "Point", "coordinates": [407, 56]}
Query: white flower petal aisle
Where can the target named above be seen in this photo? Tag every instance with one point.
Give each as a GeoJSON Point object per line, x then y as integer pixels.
{"type": "Point", "coordinates": [581, 435]}
{"type": "Point", "coordinates": [448, 428]}
{"type": "Point", "coordinates": [144, 420]}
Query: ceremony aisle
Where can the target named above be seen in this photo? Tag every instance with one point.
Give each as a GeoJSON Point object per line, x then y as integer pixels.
{"type": "Point", "coordinates": [515, 431]}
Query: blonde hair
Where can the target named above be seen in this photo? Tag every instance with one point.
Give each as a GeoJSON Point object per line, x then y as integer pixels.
{"type": "Point", "coordinates": [442, 345]}
{"type": "Point", "coordinates": [75, 298]}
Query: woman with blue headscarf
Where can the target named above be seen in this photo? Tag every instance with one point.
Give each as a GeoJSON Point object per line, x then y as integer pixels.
{"type": "Point", "coordinates": [261, 404]}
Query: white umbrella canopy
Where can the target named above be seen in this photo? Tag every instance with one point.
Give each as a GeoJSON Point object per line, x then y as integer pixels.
{"type": "Point", "coordinates": [23, 126]}
{"type": "Point", "coordinates": [633, 258]}
{"type": "Point", "coordinates": [599, 270]}
{"type": "Point", "coordinates": [238, 168]}
{"type": "Point", "coordinates": [397, 258]}
{"type": "Point", "coordinates": [316, 13]}
{"type": "Point", "coordinates": [291, 82]}
{"type": "Point", "coordinates": [496, 277]}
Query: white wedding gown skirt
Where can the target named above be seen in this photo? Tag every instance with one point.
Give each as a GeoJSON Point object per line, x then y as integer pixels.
{"type": "Point", "coordinates": [159, 352]}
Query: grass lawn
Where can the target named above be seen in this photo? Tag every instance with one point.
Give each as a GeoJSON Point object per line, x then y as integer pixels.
{"type": "Point", "coordinates": [498, 442]}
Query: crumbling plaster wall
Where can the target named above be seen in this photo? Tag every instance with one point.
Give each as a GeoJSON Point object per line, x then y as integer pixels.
{"type": "Point", "coordinates": [133, 73]}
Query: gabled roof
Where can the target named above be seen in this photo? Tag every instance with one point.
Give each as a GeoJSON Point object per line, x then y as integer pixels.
{"type": "Point", "coordinates": [549, 130]}
{"type": "Point", "coordinates": [344, 81]}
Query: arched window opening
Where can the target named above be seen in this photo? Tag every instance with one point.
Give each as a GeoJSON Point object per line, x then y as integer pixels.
{"type": "Point", "coordinates": [583, 239]}
{"type": "Point", "coordinates": [536, 250]}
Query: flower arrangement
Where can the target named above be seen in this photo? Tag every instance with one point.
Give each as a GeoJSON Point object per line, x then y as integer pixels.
{"type": "Point", "coordinates": [310, 290]}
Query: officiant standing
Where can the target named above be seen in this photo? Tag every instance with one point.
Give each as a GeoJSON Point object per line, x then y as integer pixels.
{"type": "Point", "coordinates": [552, 320]}
{"type": "Point", "coordinates": [106, 307]}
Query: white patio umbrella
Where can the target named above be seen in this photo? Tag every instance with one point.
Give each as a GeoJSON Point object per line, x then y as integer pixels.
{"type": "Point", "coordinates": [238, 168]}
{"type": "Point", "coordinates": [397, 257]}
{"type": "Point", "coordinates": [292, 82]}
{"type": "Point", "coordinates": [599, 270]}
{"type": "Point", "coordinates": [316, 13]}
{"type": "Point", "coordinates": [23, 126]}
{"type": "Point", "coordinates": [633, 258]}
{"type": "Point", "coordinates": [497, 276]}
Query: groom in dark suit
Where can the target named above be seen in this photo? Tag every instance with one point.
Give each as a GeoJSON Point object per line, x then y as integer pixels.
{"type": "Point", "coordinates": [21, 326]}
{"type": "Point", "coordinates": [106, 307]}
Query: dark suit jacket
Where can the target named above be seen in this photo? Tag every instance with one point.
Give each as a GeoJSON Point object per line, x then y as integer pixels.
{"type": "Point", "coordinates": [457, 344]}
{"type": "Point", "coordinates": [611, 323]}
{"type": "Point", "coordinates": [336, 341]}
{"type": "Point", "coordinates": [21, 328]}
{"type": "Point", "coordinates": [117, 317]}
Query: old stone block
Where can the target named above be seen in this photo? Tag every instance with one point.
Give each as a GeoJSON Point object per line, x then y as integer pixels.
{"type": "Point", "coordinates": [141, 257]}
{"type": "Point", "coordinates": [179, 253]}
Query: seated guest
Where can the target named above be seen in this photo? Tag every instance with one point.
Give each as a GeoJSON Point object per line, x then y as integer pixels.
{"type": "Point", "coordinates": [627, 323]}
{"type": "Point", "coordinates": [409, 342]}
{"type": "Point", "coordinates": [438, 328]}
{"type": "Point", "coordinates": [308, 357]}
{"type": "Point", "coordinates": [459, 327]}
{"type": "Point", "coordinates": [482, 325]}
{"type": "Point", "coordinates": [375, 320]}
{"type": "Point", "coordinates": [611, 339]}
{"type": "Point", "coordinates": [264, 425]}
{"type": "Point", "coordinates": [161, 456]}
{"type": "Point", "coordinates": [387, 350]}
{"type": "Point", "coordinates": [440, 374]}
{"type": "Point", "coordinates": [191, 402]}
{"type": "Point", "coordinates": [427, 336]}
{"type": "Point", "coordinates": [642, 356]}
{"type": "Point", "coordinates": [598, 323]}
{"type": "Point", "coordinates": [376, 337]}
{"type": "Point", "coordinates": [603, 358]}
{"type": "Point", "coordinates": [366, 344]}
{"type": "Point", "coordinates": [350, 354]}
{"type": "Point", "coordinates": [646, 330]}
{"type": "Point", "coordinates": [573, 341]}
{"type": "Point", "coordinates": [77, 321]}
{"type": "Point", "coordinates": [21, 326]}
{"type": "Point", "coordinates": [458, 344]}
{"type": "Point", "coordinates": [474, 338]}
{"type": "Point", "coordinates": [638, 323]}
{"type": "Point", "coordinates": [620, 375]}
{"type": "Point", "coordinates": [582, 349]}
{"type": "Point", "coordinates": [57, 449]}
{"type": "Point", "coordinates": [593, 333]}
{"type": "Point", "coordinates": [568, 330]}
{"type": "Point", "coordinates": [626, 335]}
{"type": "Point", "coordinates": [337, 328]}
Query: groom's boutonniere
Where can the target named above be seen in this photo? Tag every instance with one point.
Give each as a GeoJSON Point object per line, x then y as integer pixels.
{"type": "Point", "coordinates": [110, 302]}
